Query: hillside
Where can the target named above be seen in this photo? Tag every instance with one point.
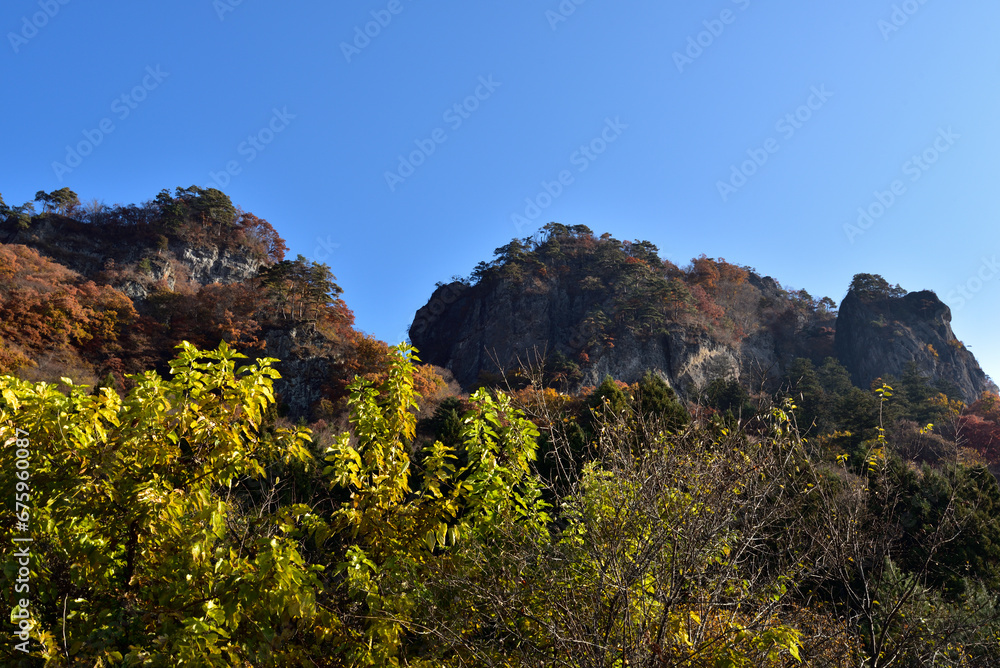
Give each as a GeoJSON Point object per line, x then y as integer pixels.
{"type": "Point", "coordinates": [596, 306]}
{"type": "Point", "coordinates": [95, 292]}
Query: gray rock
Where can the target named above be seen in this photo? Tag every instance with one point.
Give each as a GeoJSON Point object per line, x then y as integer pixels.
{"type": "Point", "coordinates": [475, 331]}
{"type": "Point", "coordinates": [74, 245]}
{"type": "Point", "coordinates": [880, 337]}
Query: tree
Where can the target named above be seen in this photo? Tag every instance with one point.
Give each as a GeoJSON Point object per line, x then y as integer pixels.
{"type": "Point", "coordinates": [886, 538]}
{"type": "Point", "coordinates": [262, 234]}
{"type": "Point", "coordinates": [657, 399]}
{"type": "Point", "coordinates": [730, 398]}
{"type": "Point", "coordinates": [141, 552]}
{"type": "Point", "coordinates": [403, 523]}
{"type": "Point", "coordinates": [608, 396]}
{"type": "Point", "coordinates": [195, 212]}
{"type": "Point", "coordinates": [18, 217]}
{"type": "Point", "coordinates": [808, 394]}
{"type": "Point", "coordinates": [302, 286]}
{"type": "Point", "coordinates": [63, 200]}
{"type": "Point", "coordinates": [922, 402]}
{"type": "Point", "coordinates": [209, 206]}
{"type": "Point", "coordinates": [652, 562]}
{"type": "Point", "coordinates": [873, 286]}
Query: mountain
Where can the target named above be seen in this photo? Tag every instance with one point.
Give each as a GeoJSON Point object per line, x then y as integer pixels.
{"type": "Point", "coordinates": [457, 510]}
{"type": "Point", "coordinates": [596, 306]}
{"type": "Point", "coordinates": [97, 292]}
{"type": "Point", "coordinates": [881, 331]}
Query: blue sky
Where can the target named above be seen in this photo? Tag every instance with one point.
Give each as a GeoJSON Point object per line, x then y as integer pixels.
{"type": "Point", "coordinates": [741, 129]}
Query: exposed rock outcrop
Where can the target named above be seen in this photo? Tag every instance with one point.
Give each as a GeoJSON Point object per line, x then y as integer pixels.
{"type": "Point", "coordinates": [75, 245]}
{"type": "Point", "coordinates": [209, 264]}
{"type": "Point", "coordinates": [476, 331]}
{"type": "Point", "coordinates": [879, 336]}
{"type": "Point", "coordinates": [304, 372]}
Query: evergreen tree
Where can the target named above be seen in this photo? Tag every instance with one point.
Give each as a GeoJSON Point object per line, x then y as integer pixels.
{"type": "Point", "coordinates": [657, 399]}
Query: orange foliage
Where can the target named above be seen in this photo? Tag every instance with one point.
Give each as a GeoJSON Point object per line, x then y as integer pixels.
{"type": "Point", "coordinates": [704, 272]}
{"type": "Point", "coordinates": [427, 382]}
{"type": "Point", "coordinates": [11, 360]}
{"type": "Point", "coordinates": [370, 358]}
{"type": "Point", "coordinates": [710, 273]}
{"type": "Point", "coordinates": [45, 307]}
{"type": "Point", "coordinates": [987, 406]}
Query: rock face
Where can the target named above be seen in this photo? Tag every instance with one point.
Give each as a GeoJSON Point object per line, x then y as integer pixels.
{"type": "Point", "coordinates": [478, 331]}
{"type": "Point", "coordinates": [75, 245]}
{"type": "Point", "coordinates": [209, 264]}
{"type": "Point", "coordinates": [303, 373]}
{"type": "Point", "coordinates": [879, 336]}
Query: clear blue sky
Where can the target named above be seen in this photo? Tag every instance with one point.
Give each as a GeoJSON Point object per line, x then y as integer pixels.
{"type": "Point", "coordinates": [883, 89]}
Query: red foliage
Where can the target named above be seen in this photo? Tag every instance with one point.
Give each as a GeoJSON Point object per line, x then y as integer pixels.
{"type": "Point", "coordinates": [262, 236]}
{"type": "Point", "coordinates": [979, 427]}
{"type": "Point", "coordinates": [712, 311]}
{"type": "Point", "coordinates": [981, 435]}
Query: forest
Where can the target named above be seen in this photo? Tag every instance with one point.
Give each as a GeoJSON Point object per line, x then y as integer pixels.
{"type": "Point", "coordinates": [162, 506]}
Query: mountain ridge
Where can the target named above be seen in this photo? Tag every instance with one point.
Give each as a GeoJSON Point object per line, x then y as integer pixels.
{"type": "Point", "coordinates": [596, 306]}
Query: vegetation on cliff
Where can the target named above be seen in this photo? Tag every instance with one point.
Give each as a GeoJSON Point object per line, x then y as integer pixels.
{"type": "Point", "coordinates": [56, 322]}
{"type": "Point", "coordinates": [626, 286]}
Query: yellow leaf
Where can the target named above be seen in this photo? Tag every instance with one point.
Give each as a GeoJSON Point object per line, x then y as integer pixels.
{"type": "Point", "coordinates": [11, 399]}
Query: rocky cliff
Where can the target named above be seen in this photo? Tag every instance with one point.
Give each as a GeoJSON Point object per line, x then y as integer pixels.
{"type": "Point", "coordinates": [306, 364]}
{"type": "Point", "coordinates": [880, 335]}
{"type": "Point", "coordinates": [479, 331]}
{"type": "Point", "coordinates": [598, 306]}
{"type": "Point", "coordinates": [89, 251]}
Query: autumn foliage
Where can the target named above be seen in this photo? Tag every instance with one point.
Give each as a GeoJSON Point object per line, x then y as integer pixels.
{"type": "Point", "coordinates": [56, 322]}
{"type": "Point", "coordinates": [979, 428]}
{"type": "Point", "coordinates": [47, 310]}
{"type": "Point", "coordinates": [622, 288]}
